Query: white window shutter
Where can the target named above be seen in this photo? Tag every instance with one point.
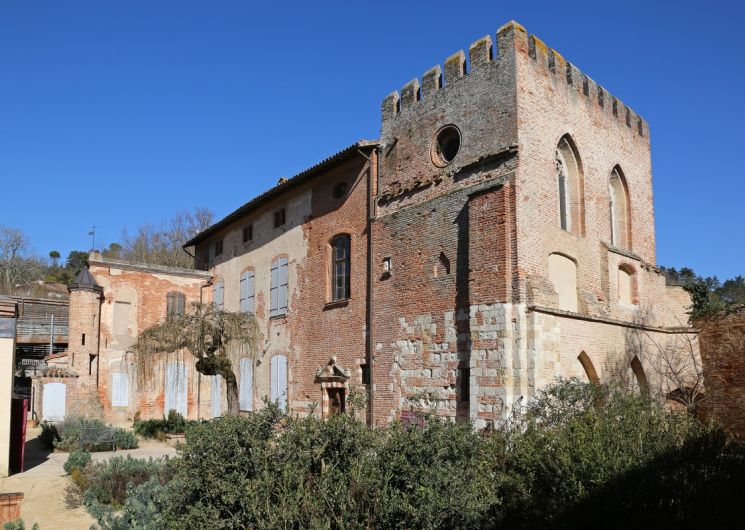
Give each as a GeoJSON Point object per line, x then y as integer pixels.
{"type": "Point", "coordinates": [279, 381]}
{"type": "Point", "coordinates": [119, 390]}
{"type": "Point", "coordinates": [245, 389]}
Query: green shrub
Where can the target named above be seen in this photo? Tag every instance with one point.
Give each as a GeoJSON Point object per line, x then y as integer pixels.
{"type": "Point", "coordinates": [106, 483]}
{"type": "Point", "coordinates": [157, 429]}
{"type": "Point", "coordinates": [580, 457]}
{"type": "Point", "coordinates": [77, 460]}
{"type": "Point", "coordinates": [70, 431]}
{"type": "Point", "coordinates": [125, 439]}
{"type": "Point", "coordinates": [18, 524]}
{"type": "Point", "coordinates": [49, 434]}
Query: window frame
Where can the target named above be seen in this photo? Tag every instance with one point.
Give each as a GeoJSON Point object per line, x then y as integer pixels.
{"type": "Point", "coordinates": [248, 233]}
{"type": "Point", "coordinates": [177, 299]}
{"type": "Point", "coordinates": [219, 247]}
{"type": "Point", "coordinates": [340, 293]}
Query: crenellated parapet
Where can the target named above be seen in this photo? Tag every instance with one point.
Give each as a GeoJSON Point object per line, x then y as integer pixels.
{"type": "Point", "coordinates": [510, 39]}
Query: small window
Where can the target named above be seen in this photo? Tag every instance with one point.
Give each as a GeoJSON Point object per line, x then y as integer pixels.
{"type": "Point", "coordinates": [175, 304]}
{"type": "Point", "coordinates": [626, 285]}
{"type": "Point", "coordinates": [340, 268]}
{"type": "Point", "coordinates": [446, 145]}
{"type": "Point", "coordinates": [218, 247]}
{"type": "Point", "coordinates": [365, 374]}
{"type": "Point", "coordinates": [248, 234]}
{"type": "Point", "coordinates": [280, 218]}
{"type": "Point", "coordinates": [82, 340]}
{"type": "Point", "coordinates": [339, 190]}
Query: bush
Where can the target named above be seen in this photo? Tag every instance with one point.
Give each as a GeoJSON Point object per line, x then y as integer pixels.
{"type": "Point", "coordinates": [173, 424]}
{"type": "Point", "coordinates": [18, 524]}
{"type": "Point", "coordinates": [125, 439]}
{"type": "Point", "coordinates": [580, 457]}
{"type": "Point", "coordinates": [68, 434]}
{"type": "Point", "coordinates": [49, 434]}
{"type": "Point", "coordinates": [77, 460]}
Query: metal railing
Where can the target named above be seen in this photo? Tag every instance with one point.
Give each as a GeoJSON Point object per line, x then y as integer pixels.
{"type": "Point", "coordinates": [41, 327]}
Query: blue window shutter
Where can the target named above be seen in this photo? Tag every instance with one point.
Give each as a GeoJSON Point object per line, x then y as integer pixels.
{"type": "Point", "coordinates": [218, 291]}
{"type": "Point", "coordinates": [283, 281]}
{"type": "Point", "coordinates": [273, 307]}
{"type": "Point", "coordinates": [246, 388]}
{"type": "Point", "coordinates": [244, 292]}
{"type": "Point", "coordinates": [250, 291]}
{"type": "Point", "coordinates": [279, 381]}
{"type": "Point", "coordinates": [216, 396]}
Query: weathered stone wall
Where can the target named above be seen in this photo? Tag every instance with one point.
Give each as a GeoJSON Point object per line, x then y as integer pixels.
{"type": "Point", "coordinates": [722, 343]}
{"type": "Point", "coordinates": [145, 289]}
{"type": "Point", "coordinates": [313, 329]}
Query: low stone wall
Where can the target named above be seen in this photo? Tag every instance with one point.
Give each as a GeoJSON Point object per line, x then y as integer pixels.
{"type": "Point", "coordinates": [722, 344]}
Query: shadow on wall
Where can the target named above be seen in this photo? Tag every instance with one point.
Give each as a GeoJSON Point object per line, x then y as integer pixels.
{"type": "Point", "coordinates": [462, 316]}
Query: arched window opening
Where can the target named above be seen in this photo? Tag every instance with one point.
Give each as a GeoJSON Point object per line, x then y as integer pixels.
{"type": "Point", "coordinates": [570, 185]}
{"type": "Point", "coordinates": [340, 268]}
{"type": "Point", "coordinates": [626, 285]}
{"type": "Point", "coordinates": [620, 219]}
{"type": "Point", "coordinates": [640, 382]}
{"type": "Point", "coordinates": [442, 267]}
{"type": "Point", "coordinates": [589, 368]}
{"type": "Point", "coordinates": [562, 272]}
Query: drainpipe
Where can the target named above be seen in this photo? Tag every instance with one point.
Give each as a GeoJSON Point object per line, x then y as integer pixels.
{"type": "Point", "coordinates": [370, 343]}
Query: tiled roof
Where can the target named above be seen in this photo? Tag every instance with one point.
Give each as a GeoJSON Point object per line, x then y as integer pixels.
{"type": "Point", "coordinates": [283, 186]}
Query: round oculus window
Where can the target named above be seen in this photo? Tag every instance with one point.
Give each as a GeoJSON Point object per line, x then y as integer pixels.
{"type": "Point", "coordinates": [446, 145]}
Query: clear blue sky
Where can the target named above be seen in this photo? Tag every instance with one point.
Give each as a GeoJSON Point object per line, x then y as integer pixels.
{"type": "Point", "coordinates": [122, 112]}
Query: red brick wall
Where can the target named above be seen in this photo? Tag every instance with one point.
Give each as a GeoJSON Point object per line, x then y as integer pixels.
{"type": "Point", "coordinates": [722, 343]}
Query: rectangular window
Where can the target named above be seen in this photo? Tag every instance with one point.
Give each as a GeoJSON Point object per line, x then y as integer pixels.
{"type": "Point", "coordinates": [119, 390]}
{"type": "Point", "coordinates": [121, 317]}
{"type": "Point", "coordinates": [248, 234]}
{"type": "Point", "coordinates": [247, 292]}
{"type": "Point", "coordinates": [340, 267]}
{"type": "Point", "coordinates": [218, 247]}
{"type": "Point", "coordinates": [278, 290]}
{"type": "Point", "coordinates": [218, 295]}
{"type": "Point", "coordinates": [280, 218]}
{"type": "Point", "coordinates": [175, 304]}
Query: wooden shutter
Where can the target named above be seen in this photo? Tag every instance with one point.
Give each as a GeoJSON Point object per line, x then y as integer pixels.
{"type": "Point", "coordinates": [279, 381]}
{"type": "Point", "coordinates": [246, 386]}
{"type": "Point", "coordinates": [119, 390]}
{"type": "Point", "coordinates": [218, 292]}
{"type": "Point", "coordinates": [177, 383]}
{"type": "Point", "coordinates": [283, 283]}
{"type": "Point", "coordinates": [247, 292]}
{"type": "Point", "coordinates": [274, 291]}
{"type": "Point", "coordinates": [216, 396]}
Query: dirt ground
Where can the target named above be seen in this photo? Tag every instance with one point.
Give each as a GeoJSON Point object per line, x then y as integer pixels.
{"type": "Point", "coordinates": [44, 480]}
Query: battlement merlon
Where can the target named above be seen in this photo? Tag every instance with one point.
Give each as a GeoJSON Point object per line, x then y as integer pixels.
{"type": "Point", "coordinates": [510, 38]}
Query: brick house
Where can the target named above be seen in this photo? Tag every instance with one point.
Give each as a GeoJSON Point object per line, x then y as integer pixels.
{"type": "Point", "coordinates": [498, 235]}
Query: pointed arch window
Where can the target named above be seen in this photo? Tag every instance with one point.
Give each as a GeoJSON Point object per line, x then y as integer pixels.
{"type": "Point", "coordinates": [570, 187]}
{"type": "Point", "coordinates": [620, 219]}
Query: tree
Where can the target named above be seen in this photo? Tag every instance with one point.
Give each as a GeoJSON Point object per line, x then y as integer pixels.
{"type": "Point", "coordinates": [55, 255]}
{"type": "Point", "coordinates": [164, 245]}
{"type": "Point", "coordinates": [212, 336]}
{"type": "Point", "coordinates": [17, 267]}
{"type": "Point", "coordinates": [76, 260]}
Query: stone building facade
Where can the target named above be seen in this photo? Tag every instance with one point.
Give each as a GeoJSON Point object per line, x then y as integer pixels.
{"type": "Point", "coordinates": [499, 235]}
